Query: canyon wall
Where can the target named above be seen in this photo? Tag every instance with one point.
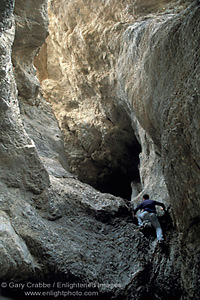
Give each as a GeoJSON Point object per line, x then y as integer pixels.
{"type": "Point", "coordinates": [78, 70]}
{"type": "Point", "coordinates": [115, 104]}
{"type": "Point", "coordinates": [111, 73]}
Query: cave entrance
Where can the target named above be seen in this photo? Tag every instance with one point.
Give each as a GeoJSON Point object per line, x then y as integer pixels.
{"type": "Point", "coordinates": [115, 170]}
{"type": "Point", "coordinates": [118, 179]}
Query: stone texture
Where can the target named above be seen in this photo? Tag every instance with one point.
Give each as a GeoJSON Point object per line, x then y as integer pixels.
{"type": "Point", "coordinates": [117, 84]}
{"type": "Point", "coordinates": [168, 109]}
{"type": "Point", "coordinates": [29, 17]}
{"type": "Point", "coordinates": [166, 100]}
{"type": "Point", "coordinates": [147, 91]}
{"type": "Point", "coordinates": [14, 251]}
{"type": "Point", "coordinates": [75, 233]}
{"type": "Point", "coordinates": [78, 70]}
{"type": "Point", "coordinates": [20, 165]}
{"type": "Point", "coordinates": [79, 82]}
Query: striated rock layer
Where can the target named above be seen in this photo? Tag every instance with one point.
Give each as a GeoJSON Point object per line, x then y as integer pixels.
{"type": "Point", "coordinates": [122, 80]}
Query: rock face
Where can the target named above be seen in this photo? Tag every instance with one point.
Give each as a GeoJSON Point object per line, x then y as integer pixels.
{"type": "Point", "coordinates": [78, 78]}
{"type": "Point", "coordinates": [20, 164]}
{"type": "Point", "coordinates": [122, 79]}
{"type": "Point", "coordinates": [166, 106]}
{"type": "Point", "coordinates": [79, 69]}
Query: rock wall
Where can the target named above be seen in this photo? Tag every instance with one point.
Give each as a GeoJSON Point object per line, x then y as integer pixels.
{"type": "Point", "coordinates": [164, 93]}
{"type": "Point", "coordinates": [91, 50]}
{"type": "Point", "coordinates": [162, 87]}
{"type": "Point", "coordinates": [128, 108]}
{"type": "Point", "coordinates": [20, 165]}
{"type": "Point", "coordinates": [78, 78]}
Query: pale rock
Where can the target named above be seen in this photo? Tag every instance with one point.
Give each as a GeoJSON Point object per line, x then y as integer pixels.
{"type": "Point", "coordinates": [13, 250]}
{"type": "Point", "coordinates": [20, 165]}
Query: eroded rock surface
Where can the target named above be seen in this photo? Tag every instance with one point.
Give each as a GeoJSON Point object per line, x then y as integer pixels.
{"type": "Point", "coordinates": [76, 69]}
{"type": "Point", "coordinates": [20, 164]}
{"type": "Point", "coordinates": [128, 109]}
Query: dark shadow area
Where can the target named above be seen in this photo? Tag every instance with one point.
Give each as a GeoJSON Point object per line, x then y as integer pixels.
{"type": "Point", "coordinates": [115, 177]}
{"type": "Point", "coordinates": [117, 180]}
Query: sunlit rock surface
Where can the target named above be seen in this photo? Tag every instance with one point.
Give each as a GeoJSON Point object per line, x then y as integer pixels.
{"type": "Point", "coordinates": [122, 79]}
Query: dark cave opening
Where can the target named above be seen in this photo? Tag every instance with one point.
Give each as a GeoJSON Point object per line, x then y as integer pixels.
{"type": "Point", "coordinates": [115, 170]}
{"type": "Point", "coordinates": [119, 184]}
{"type": "Point", "coordinates": [119, 175]}
{"type": "Point", "coordinates": [117, 178]}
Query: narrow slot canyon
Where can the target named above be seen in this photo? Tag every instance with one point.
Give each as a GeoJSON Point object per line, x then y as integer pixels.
{"type": "Point", "coordinates": [99, 105]}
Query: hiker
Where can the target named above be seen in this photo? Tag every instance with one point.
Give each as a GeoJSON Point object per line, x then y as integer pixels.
{"type": "Point", "coordinates": [149, 213]}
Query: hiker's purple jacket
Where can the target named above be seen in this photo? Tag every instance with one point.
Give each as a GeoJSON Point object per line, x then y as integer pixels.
{"type": "Point", "coordinates": [149, 205]}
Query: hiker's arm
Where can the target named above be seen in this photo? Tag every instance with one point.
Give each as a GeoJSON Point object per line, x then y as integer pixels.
{"type": "Point", "coordinates": [137, 208]}
{"type": "Point", "coordinates": [161, 204]}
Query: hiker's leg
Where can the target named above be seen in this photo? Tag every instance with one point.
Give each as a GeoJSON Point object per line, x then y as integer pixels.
{"type": "Point", "coordinates": [142, 217]}
{"type": "Point", "coordinates": [156, 224]}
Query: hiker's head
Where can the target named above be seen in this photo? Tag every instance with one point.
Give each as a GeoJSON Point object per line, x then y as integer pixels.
{"type": "Point", "coordinates": [146, 196]}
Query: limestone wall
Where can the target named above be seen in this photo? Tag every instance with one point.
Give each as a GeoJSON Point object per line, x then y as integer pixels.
{"type": "Point", "coordinates": [162, 87]}
{"type": "Point", "coordinates": [20, 165]}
